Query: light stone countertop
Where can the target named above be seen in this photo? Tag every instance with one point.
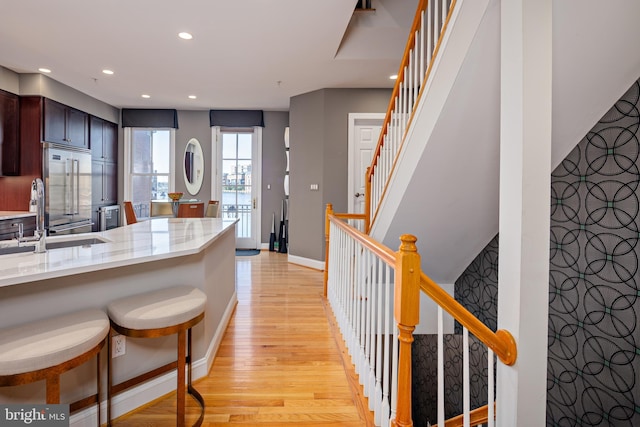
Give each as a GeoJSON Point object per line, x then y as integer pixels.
{"type": "Point", "coordinates": [145, 241]}
{"type": "Point", "coordinates": [15, 214]}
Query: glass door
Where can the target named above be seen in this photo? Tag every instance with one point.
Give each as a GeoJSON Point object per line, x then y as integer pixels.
{"type": "Point", "coordinates": [240, 184]}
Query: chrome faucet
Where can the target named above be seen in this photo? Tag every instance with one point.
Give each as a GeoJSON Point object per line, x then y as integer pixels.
{"type": "Point", "coordinates": [37, 201]}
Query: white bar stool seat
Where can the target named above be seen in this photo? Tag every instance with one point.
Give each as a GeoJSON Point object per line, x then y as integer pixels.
{"type": "Point", "coordinates": [44, 349]}
{"type": "Point", "coordinates": [154, 314]}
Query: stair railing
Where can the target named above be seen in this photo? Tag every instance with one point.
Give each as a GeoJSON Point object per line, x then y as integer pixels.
{"type": "Point", "coordinates": [374, 294]}
{"type": "Point", "coordinates": [428, 29]}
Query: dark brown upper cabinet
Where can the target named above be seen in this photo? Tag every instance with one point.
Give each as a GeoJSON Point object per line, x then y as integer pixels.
{"type": "Point", "coordinates": [9, 134]}
{"type": "Point", "coordinates": [103, 137]}
{"type": "Point", "coordinates": [65, 125]}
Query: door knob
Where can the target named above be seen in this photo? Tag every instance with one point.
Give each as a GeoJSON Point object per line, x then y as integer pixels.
{"type": "Point", "coordinates": [358, 194]}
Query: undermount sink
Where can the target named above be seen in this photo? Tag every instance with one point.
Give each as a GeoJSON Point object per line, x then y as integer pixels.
{"type": "Point", "coordinates": [74, 243]}
{"type": "Point", "coordinates": [56, 244]}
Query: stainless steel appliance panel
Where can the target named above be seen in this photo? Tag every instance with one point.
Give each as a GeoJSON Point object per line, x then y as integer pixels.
{"type": "Point", "coordinates": [109, 217]}
{"type": "Point", "coordinates": [67, 183]}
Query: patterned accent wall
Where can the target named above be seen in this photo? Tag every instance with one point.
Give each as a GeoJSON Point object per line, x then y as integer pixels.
{"type": "Point", "coordinates": [425, 378]}
{"type": "Point", "coordinates": [477, 287]}
{"type": "Point", "coordinates": [594, 291]}
{"type": "Point", "coordinates": [594, 285]}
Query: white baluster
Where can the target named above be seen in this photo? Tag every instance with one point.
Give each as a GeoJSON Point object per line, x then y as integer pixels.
{"type": "Point", "coordinates": [440, 367]}
{"type": "Point", "coordinates": [372, 330]}
{"type": "Point", "coordinates": [429, 33]}
{"type": "Point", "coordinates": [386, 382]}
{"type": "Point", "coordinates": [366, 323]}
{"type": "Point", "coordinates": [416, 70]}
{"type": "Point", "coordinates": [490, 397]}
{"type": "Point", "coordinates": [394, 373]}
{"type": "Point", "coordinates": [466, 381]}
{"type": "Point", "coordinates": [436, 23]}
{"type": "Point", "coordinates": [445, 11]}
{"type": "Point", "coordinates": [423, 48]}
{"type": "Point", "coordinates": [381, 285]}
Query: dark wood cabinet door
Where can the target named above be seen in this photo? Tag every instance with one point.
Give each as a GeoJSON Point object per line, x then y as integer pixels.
{"type": "Point", "coordinates": [9, 134]}
{"type": "Point", "coordinates": [110, 178]}
{"type": "Point", "coordinates": [110, 142]}
{"type": "Point", "coordinates": [96, 139]}
{"type": "Point", "coordinates": [55, 122]}
{"type": "Point", "coordinates": [103, 139]}
{"type": "Point", "coordinates": [65, 125]}
{"type": "Point", "coordinates": [77, 128]}
{"type": "Point", "coordinates": [97, 185]}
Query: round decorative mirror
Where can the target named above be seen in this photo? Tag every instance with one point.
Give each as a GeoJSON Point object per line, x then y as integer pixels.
{"type": "Point", "coordinates": [193, 166]}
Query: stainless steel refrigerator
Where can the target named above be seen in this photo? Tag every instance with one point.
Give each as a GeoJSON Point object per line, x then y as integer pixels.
{"type": "Point", "coordinates": [67, 184]}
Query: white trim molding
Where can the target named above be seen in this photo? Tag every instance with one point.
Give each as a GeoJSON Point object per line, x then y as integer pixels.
{"type": "Point", "coordinates": [306, 262]}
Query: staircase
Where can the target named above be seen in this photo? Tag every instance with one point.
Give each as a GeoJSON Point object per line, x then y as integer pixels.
{"type": "Point", "coordinates": [444, 188]}
{"type": "Point", "coordinates": [435, 174]}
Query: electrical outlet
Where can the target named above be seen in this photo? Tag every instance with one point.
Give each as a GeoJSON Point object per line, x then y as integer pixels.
{"type": "Point", "coordinates": [118, 345]}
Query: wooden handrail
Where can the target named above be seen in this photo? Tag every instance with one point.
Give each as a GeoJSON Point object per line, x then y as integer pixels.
{"type": "Point", "coordinates": [501, 342]}
{"type": "Point", "coordinates": [476, 417]}
{"type": "Point", "coordinates": [349, 215]}
{"type": "Point", "coordinates": [405, 61]}
{"type": "Point", "coordinates": [409, 280]}
{"type": "Point", "coordinates": [380, 250]}
{"type": "Point", "coordinates": [396, 88]}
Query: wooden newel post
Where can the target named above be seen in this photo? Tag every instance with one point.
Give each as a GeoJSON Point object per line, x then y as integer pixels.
{"type": "Point", "coordinates": [407, 315]}
{"type": "Point", "coordinates": [329, 211]}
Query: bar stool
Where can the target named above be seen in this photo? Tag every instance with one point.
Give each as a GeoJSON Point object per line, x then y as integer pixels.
{"type": "Point", "coordinates": [155, 314]}
{"type": "Point", "coordinates": [45, 349]}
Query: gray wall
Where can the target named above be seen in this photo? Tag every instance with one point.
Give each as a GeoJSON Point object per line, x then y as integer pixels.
{"type": "Point", "coordinates": [9, 81]}
{"type": "Point", "coordinates": [193, 124]}
{"type": "Point", "coordinates": [274, 164]}
{"type": "Point", "coordinates": [319, 155]}
{"type": "Point", "coordinates": [38, 84]}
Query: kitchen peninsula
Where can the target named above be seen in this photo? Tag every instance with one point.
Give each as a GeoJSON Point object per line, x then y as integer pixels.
{"type": "Point", "coordinates": [136, 258]}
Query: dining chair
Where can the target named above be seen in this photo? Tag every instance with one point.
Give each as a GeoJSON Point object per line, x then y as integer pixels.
{"type": "Point", "coordinates": [212, 209]}
{"type": "Point", "coordinates": [129, 213]}
{"type": "Point", "coordinates": [161, 208]}
{"type": "Point", "coordinates": [191, 210]}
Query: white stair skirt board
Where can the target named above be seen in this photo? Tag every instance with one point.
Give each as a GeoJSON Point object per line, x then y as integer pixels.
{"type": "Point", "coordinates": [306, 262]}
{"type": "Point", "coordinates": [146, 392]}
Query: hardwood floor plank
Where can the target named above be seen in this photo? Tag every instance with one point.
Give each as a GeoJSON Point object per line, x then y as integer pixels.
{"type": "Point", "coordinates": [280, 362]}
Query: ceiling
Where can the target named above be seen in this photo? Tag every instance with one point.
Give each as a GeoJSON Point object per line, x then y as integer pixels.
{"type": "Point", "coordinates": [245, 54]}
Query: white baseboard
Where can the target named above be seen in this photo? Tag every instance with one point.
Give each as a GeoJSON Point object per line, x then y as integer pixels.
{"type": "Point", "coordinates": [144, 393]}
{"type": "Point", "coordinates": [306, 262]}
{"type": "Point", "coordinates": [264, 246]}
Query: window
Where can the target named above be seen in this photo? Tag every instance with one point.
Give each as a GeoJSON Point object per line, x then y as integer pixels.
{"type": "Point", "coordinates": [149, 167]}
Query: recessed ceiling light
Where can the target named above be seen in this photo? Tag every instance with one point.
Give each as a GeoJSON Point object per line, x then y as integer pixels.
{"type": "Point", "coordinates": [192, 97]}
{"type": "Point", "coordinates": [146, 96]}
{"type": "Point", "coordinates": [185, 36]}
{"type": "Point", "coordinates": [105, 71]}
{"type": "Point", "coordinates": [393, 76]}
{"type": "Point", "coordinates": [44, 70]}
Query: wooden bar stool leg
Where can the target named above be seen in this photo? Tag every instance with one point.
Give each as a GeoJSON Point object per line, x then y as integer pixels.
{"type": "Point", "coordinates": [99, 402]}
{"type": "Point", "coordinates": [109, 381]}
{"type": "Point", "coordinates": [181, 392]}
{"type": "Point", "coordinates": [53, 389]}
{"type": "Point", "coordinates": [192, 391]}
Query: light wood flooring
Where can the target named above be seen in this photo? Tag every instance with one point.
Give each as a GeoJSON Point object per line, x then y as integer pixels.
{"type": "Point", "coordinates": [280, 362]}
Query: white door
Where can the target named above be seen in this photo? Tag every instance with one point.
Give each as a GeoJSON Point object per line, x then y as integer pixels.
{"type": "Point", "coordinates": [239, 183]}
{"type": "Point", "coordinates": [364, 131]}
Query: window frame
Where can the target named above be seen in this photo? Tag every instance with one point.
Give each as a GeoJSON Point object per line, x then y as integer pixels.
{"type": "Point", "coordinates": [128, 159]}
